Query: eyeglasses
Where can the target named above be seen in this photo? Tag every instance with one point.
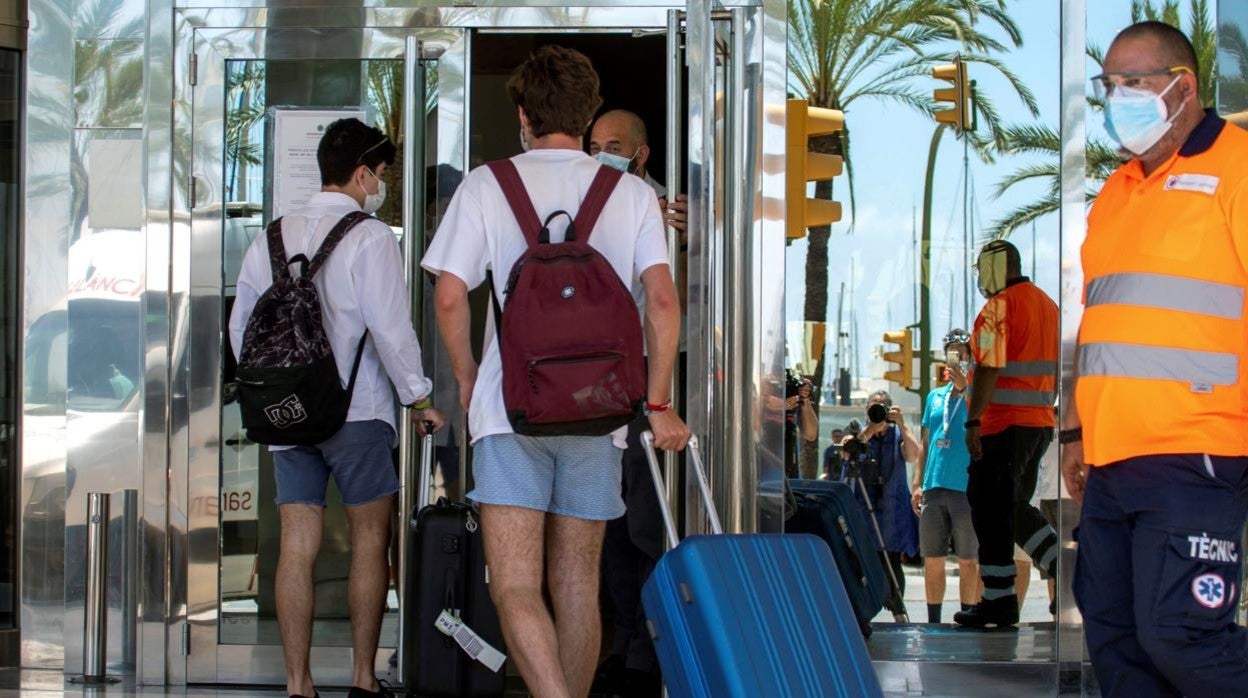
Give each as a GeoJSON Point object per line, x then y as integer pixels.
{"type": "Point", "coordinates": [380, 143]}
{"type": "Point", "coordinates": [1104, 84]}
{"type": "Point", "coordinates": [957, 338]}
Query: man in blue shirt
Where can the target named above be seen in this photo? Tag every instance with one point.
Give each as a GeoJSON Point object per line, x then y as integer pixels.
{"type": "Point", "coordinates": [939, 486]}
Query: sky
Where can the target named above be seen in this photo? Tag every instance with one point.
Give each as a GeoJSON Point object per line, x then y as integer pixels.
{"type": "Point", "coordinates": [890, 145]}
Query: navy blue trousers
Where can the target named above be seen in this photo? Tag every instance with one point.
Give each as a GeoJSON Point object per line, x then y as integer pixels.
{"type": "Point", "coordinates": [1158, 573]}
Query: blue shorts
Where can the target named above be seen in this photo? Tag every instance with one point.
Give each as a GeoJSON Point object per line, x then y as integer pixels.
{"type": "Point", "coordinates": [358, 456]}
{"type": "Point", "coordinates": [574, 476]}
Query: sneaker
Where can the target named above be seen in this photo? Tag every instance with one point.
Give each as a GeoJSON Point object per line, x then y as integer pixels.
{"type": "Point", "coordinates": [1000, 612]}
{"type": "Point", "coordinates": [383, 691]}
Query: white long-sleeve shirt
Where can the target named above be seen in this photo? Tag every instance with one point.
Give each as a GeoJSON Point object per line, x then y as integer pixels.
{"type": "Point", "coordinates": [361, 286]}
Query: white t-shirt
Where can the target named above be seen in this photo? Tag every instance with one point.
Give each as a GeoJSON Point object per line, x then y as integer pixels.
{"type": "Point", "coordinates": [361, 287]}
{"type": "Point", "coordinates": [479, 233]}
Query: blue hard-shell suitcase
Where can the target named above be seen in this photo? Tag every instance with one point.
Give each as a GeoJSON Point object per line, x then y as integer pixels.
{"type": "Point", "coordinates": [745, 616]}
{"type": "Point", "coordinates": [830, 510]}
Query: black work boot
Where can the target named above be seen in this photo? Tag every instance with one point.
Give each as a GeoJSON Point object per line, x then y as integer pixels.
{"type": "Point", "coordinates": [1000, 612]}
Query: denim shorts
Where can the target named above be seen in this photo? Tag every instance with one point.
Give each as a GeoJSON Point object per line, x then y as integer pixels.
{"type": "Point", "coordinates": [574, 476]}
{"type": "Point", "coordinates": [358, 456]}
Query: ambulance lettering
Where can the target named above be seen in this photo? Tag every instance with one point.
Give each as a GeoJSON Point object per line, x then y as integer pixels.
{"type": "Point", "coordinates": [1203, 547]}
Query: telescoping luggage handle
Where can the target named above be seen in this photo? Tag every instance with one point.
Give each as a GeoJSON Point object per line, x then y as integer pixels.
{"type": "Point", "coordinates": [695, 457]}
{"type": "Point", "coordinates": [426, 467]}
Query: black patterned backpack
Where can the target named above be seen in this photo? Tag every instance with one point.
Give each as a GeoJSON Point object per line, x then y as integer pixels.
{"type": "Point", "coordinates": [288, 385]}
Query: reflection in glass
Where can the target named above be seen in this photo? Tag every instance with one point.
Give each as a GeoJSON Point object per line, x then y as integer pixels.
{"type": "Point", "coordinates": [10, 278]}
{"type": "Point", "coordinates": [249, 523]}
{"type": "Point", "coordinates": [1232, 67]}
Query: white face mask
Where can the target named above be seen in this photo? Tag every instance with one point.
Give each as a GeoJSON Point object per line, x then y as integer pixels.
{"type": "Point", "coordinates": [524, 142]}
{"type": "Point", "coordinates": [1137, 118]}
{"type": "Point", "coordinates": [618, 162]}
{"type": "Point", "coordinates": [372, 202]}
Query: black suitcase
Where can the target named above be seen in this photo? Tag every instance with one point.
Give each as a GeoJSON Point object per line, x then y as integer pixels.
{"type": "Point", "coordinates": [830, 510]}
{"type": "Point", "coordinates": [449, 573]}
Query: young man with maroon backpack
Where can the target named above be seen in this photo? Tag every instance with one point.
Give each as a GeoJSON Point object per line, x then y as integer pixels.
{"type": "Point", "coordinates": [355, 317]}
{"type": "Point", "coordinates": [563, 371]}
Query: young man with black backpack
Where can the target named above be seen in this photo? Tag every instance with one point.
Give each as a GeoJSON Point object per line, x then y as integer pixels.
{"type": "Point", "coordinates": [319, 366]}
{"type": "Point", "coordinates": [563, 370]}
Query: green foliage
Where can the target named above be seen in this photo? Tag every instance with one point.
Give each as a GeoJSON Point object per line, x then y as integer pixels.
{"type": "Point", "coordinates": [1102, 158]}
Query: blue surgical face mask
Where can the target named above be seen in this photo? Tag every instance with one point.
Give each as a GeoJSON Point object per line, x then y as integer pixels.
{"type": "Point", "coordinates": [616, 162]}
{"type": "Point", "coordinates": [1137, 118]}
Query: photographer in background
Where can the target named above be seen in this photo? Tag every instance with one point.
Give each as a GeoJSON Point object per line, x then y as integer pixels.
{"type": "Point", "coordinates": [800, 423]}
{"type": "Point", "coordinates": [878, 454]}
{"type": "Point", "coordinates": [832, 456]}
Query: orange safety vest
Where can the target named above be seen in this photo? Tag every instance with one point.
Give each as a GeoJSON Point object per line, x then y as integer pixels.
{"type": "Point", "coordinates": [1027, 320]}
{"type": "Point", "coordinates": [1165, 264]}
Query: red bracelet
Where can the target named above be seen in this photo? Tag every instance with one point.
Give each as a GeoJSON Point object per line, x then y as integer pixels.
{"type": "Point", "coordinates": [661, 407]}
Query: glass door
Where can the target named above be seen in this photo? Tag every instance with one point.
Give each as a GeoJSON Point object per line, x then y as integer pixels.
{"type": "Point", "coordinates": [257, 116]}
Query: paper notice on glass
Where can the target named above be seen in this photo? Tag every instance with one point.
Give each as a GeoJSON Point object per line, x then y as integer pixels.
{"type": "Point", "coordinates": [296, 135]}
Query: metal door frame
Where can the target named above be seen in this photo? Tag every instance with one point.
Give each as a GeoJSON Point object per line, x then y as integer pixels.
{"type": "Point", "coordinates": [743, 350]}
{"type": "Point", "coordinates": [197, 383]}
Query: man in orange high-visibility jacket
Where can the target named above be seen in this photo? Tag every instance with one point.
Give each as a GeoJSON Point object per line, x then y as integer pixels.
{"type": "Point", "coordinates": [1010, 421]}
{"type": "Point", "coordinates": [1161, 391]}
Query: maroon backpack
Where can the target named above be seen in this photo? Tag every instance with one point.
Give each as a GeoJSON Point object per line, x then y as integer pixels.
{"type": "Point", "coordinates": [568, 331]}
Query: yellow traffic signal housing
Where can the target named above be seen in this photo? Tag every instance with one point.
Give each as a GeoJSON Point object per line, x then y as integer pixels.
{"type": "Point", "coordinates": [957, 94]}
{"type": "Point", "coordinates": [802, 166]}
{"type": "Point", "coordinates": [903, 375]}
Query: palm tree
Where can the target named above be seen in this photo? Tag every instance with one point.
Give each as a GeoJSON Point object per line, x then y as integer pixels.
{"type": "Point", "coordinates": [1233, 73]}
{"type": "Point", "coordinates": [845, 51]}
{"type": "Point", "coordinates": [842, 51]}
{"type": "Point", "coordinates": [1102, 157]}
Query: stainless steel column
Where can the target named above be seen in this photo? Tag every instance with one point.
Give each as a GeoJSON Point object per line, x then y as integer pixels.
{"type": "Point", "coordinates": [700, 379]}
{"type": "Point", "coordinates": [675, 121]}
{"type": "Point", "coordinates": [413, 237]}
{"type": "Point", "coordinates": [95, 621]}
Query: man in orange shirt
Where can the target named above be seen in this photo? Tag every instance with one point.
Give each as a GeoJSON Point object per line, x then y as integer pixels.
{"type": "Point", "coordinates": [1010, 421]}
{"type": "Point", "coordinates": [1161, 388]}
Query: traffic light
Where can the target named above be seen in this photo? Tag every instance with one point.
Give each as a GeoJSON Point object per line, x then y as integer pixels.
{"type": "Point", "coordinates": [958, 94]}
{"type": "Point", "coordinates": [802, 166]}
{"type": "Point", "coordinates": [903, 375]}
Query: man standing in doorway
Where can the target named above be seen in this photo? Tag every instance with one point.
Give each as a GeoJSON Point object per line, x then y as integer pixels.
{"type": "Point", "coordinates": [545, 500]}
{"type": "Point", "coordinates": [1010, 421]}
{"type": "Point", "coordinates": [362, 290]}
{"type": "Point", "coordinates": [1161, 384]}
{"type": "Point", "coordinates": [633, 542]}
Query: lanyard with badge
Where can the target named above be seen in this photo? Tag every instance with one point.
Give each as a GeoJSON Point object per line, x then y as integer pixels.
{"type": "Point", "coordinates": [948, 418]}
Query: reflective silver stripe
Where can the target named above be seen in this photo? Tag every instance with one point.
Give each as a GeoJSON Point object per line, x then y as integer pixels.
{"type": "Point", "coordinates": [1200, 368]}
{"type": "Point", "coordinates": [1029, 369]}
{"type": "Point", "coordinates": [1036, 539]}
{"type": "Point", "coordinates": [1024, 398]}
{"type": "Point", "coordinates": [1168, 293]}
{"type": "Point", "coordinates": [998, 570]}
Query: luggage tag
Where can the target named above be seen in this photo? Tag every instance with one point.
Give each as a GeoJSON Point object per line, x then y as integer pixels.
{"type": "Point", "coordinates": [469, 641]}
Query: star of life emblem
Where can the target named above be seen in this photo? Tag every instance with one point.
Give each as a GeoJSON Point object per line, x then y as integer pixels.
{"type": "Point", "coordinates": [1209, 590]}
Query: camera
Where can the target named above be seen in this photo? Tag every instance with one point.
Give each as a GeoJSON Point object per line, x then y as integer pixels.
{"type": "Point", "coordinates": [859, 463]}
{"type": "Point", "coordinates": [792, 383]}
{"type": "Point", "coordinates": [877, 413]}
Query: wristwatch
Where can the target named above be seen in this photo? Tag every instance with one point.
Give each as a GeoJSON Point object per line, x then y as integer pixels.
{"type": "Point", "coordinates": [1070, 436]}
